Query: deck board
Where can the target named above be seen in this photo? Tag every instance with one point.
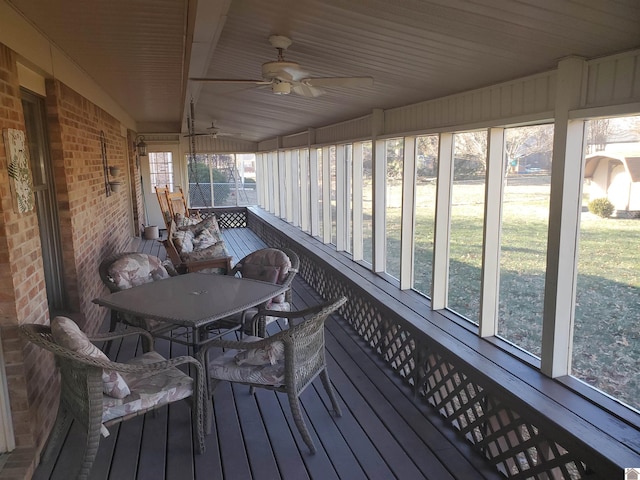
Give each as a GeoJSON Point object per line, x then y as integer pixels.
{"type": "Point", "coordinates": [384, 432]}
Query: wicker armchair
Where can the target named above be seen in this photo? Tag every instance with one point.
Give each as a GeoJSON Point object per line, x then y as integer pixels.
{"type": "Point", "coordinates": [287, 361]}
{"type": "Point", "coordinates": [129, 269]}
{"type": "Point", "coordinates": [270, 265]}
{"type": "Point", "coordinates": [151, 382]}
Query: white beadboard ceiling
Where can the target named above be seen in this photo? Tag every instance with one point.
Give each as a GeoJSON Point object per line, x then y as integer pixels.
{"type": "Point", "coordinates": [142, 52]}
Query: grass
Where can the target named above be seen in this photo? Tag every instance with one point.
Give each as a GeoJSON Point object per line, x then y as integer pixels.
{"type": "Point", "coordinates": [606, 346]}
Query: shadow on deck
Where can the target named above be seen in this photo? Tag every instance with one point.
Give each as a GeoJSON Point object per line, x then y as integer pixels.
{"type": "Point", "coordinates": [384, 432]}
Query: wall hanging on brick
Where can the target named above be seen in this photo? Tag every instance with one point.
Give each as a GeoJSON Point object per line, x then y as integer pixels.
{"type": "Point", "coordinates": [19, 171]}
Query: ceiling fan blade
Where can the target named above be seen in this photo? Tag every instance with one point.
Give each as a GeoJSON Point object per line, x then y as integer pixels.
{"type": "Point", "coordinates": [230, 80]}
{"type": "Point", "coordinates": [306, 90]}
{"type": "Point", "coordinates": [196, 134]}
{"type": "Point", "coordinates": [338, 81]}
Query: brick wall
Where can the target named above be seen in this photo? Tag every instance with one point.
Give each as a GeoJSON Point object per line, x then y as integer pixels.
{"type": "Point", "coordinates": [92, 225]}
{"type": "Point", "coordinates": [23, 297]}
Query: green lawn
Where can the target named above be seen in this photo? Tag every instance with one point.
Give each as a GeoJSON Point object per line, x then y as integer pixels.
{"type": "Point", "coordinates": [606, 349]}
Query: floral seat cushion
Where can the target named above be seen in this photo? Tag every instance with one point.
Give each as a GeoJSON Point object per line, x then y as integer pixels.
{"type": "Point", "coordinates": [136, 269]}
{"type": "Point", "coordinates": [182, 221]}
{"type": "Point", "coordinates": [218, 249]}
{"type": "Point", "coordinates": [199, 241]}
{"type": "Point", "coordinates": [209, 224]}
{"type": "Point", "coordinates": [148, 389]}
{"type": "Point", "coordinates": [264, 366]}
{"type": "Point", "coordinates": [66, 333]}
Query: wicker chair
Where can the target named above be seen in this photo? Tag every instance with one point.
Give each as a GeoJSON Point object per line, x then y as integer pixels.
{"type": "Point", "coordinates": [127, 269]}
{"type": "Point", "coordinates": [151, 380]}
{"type": "Point", "coordinates": [287, 361]}
{"type": "Point", "coordinates": [271, 265]}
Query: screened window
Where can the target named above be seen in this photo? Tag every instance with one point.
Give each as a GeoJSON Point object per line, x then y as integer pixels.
{"type": "Point", "coordinates": [320, 193]}
{"type": "Point", "coordinates": [425, 207]}
{"type": "Point", "coordinates": [467, 216]}
{"type": "Point", "coordinates": [305, 193]}
{"type": "Point", "coordinates": [394, 151]}
{"type": "Point", "coordinates": [348, 180]}
{"type": "Point", "coordinates": [525, 221]}
{"type": "Point", "coordinates": [246, 179]}
{"type": "Point", "coordinates": [333, 193]}
{"type": "Point", "coordinates": [222, 179]}
{"type": "Point", "coordinates": [606, 340]}
{"type": "Point", "coordinates": [367, 203]}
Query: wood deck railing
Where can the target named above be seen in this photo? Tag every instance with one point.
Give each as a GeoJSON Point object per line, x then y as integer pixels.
{"type": "Point", "coordinates": [527, 425]}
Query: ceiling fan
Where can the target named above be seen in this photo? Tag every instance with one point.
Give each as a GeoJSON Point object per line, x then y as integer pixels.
{"type": "Point", "coordinates": [213, 132]}
{"type": "Point", "coordinates": [285, 76]}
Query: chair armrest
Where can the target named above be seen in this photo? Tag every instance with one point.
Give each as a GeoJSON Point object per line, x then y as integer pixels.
{"type": "Point", "coordinates": [147, 340]}
{"type": "Point", "coordinates": [239, 345]}
{"type": "Point", "coordinates": [158, 366]}
{"type": "Point", "coordinates": [174, 256]}
{"type": "Point", "coordinates": [100, 337]}
{"type": "Point", "coordinates": [214, 262]}
{"type": "Point", "coordinates": [321, 309]}
{"type": "Point", "coordinates": [333, 305]}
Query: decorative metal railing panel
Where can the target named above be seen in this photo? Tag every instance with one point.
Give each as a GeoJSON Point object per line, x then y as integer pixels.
{"type": "Point", "coordinates": [504, 437]}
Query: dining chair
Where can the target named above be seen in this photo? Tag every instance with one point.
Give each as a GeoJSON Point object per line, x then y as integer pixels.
{"type": "Point", "coordinates": [98, 392]}
{"type": "Point", "coordinates": [124, 270]}
{"type": "Point", "coordinates": [270, 265]}
{"type": "Point", "coordinates": [287, 361]}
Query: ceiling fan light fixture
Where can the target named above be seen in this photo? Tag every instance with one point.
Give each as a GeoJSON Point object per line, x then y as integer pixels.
{"type": "Point", "coordinates": [281, 88]}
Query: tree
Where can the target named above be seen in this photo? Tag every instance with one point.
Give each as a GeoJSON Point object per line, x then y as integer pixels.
{"type": "Point", "coordinates": [603, 131]}
{"type": "Point", "coordinates": [470, 157]}
{"type": "Point", "coordinates": [427, 156]}
{"type": "Point", "coordinates": [521, 142]}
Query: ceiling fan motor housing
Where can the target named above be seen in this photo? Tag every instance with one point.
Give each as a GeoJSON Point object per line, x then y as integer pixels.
{"type": "Point", "coordinates": [271, 70]}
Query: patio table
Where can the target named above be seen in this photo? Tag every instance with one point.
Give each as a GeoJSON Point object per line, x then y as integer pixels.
{"type": "Point", "coordinates": [194, 301]}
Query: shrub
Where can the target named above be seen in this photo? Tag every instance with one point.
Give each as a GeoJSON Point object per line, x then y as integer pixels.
{"type": "Point", "coordinates": [601, 207]}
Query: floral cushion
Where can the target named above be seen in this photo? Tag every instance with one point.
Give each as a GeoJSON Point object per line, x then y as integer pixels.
{"type": "Point", "coordinates": [213, 271]}
{"type": "Point", "coordinates": [259, 260]}
{"type": "Point", "coordinates": [219, 249]}
{"type": "Point", "coordinates": [258, 265]}
{"type": "Point", "coordinates": [260, 272]}
{"type": "Point", "coordinates": [269, 355]}
{"type": "Point", "coordinates": [182, 221]}
{"type": "Point", "coordinates": [148, 389]}
{"type": "Point", "coordinates": [136, 269]}
{"type": "Point", "coordinates": [225, 367]}
{"type": "Point", "coordinates": [204, 239]}
{"type": "Point", "coordinates": [66, 333]}
{"type": "Point", "coordinates": [199, 241]}
{"type": "Point", "coordinates": [271, 257]}
{"type": "Point", "coordinates": [210, 224]}
{"type": "Point", "coordinates": [183, 240]}
{"type": "Point", "coordinates": [171, 270]}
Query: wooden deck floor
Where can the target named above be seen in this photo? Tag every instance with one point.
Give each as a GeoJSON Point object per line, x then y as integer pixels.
{"type": "Point", "coordinates": [383, 433]}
